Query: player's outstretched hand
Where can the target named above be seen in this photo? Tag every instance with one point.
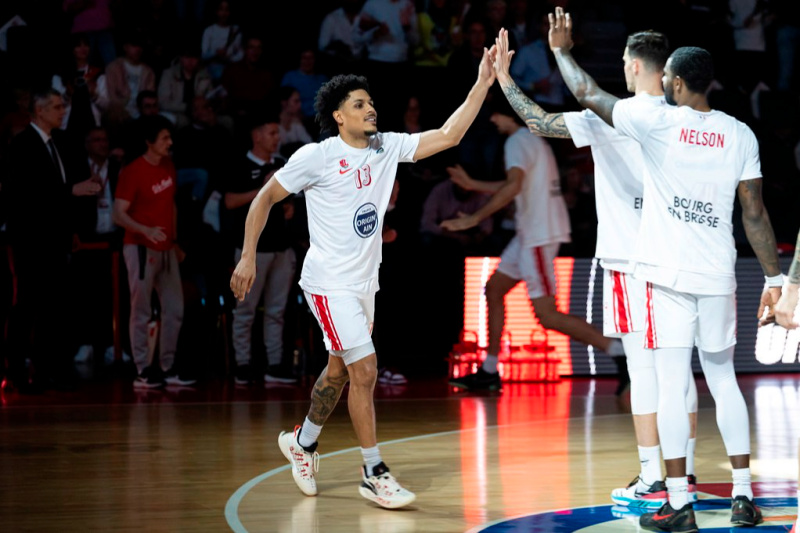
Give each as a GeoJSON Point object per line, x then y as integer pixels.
{"type": "Point", "coordinates": [560, 34]}
{"type": "Point", "coordinates": [502, 56]}
{"type": "Point", "coordinates": [461, 223]}
{"type": "Point", "coordinates": [485, 70]}
{"type": "Point", "coordinates": [460, 177]}
{"type": "Point", "coordinates": [766, 307]}
{"type": "Point", "coordinates": [242, 279]}
{"type": "Point", "coordinates": [785, 308]}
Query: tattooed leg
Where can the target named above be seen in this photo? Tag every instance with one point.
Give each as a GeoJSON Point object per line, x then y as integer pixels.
{"type": "Point", "coordinates": [327, 390]}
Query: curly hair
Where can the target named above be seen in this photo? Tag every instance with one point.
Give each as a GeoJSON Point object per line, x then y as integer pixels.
{"type": "Point", "coordinates": [332, 95]}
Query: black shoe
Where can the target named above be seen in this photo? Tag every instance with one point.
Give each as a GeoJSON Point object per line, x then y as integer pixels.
{"type": "Point", "coordinates": [744, 512]}
{"type": "Point", "coordinates": [668, 519]}
{"type": "Point", "coordinates": [173, 377]}
{"type": "Point", "coordinates": [276, 374]}
{"type": "Point", "coordinates": [243, 375]}
{"type": "Point", "coordinates": [480, 380]}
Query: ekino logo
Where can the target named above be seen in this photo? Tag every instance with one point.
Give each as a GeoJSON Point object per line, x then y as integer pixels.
{"type": "Point", "coordinates": [366, 220]}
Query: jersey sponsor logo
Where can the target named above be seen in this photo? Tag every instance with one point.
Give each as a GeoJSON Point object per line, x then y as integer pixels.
{"type": "Point", "coordinates": [344, 166]}
{"type": "Point", "coordinates": [163, 185]}
{"type": "Point", "coordinates": [702, 138]}
{"type": "Point", "coordinates": [366, 220]}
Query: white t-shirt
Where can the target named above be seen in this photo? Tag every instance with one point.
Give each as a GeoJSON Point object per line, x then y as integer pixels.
{"type": "Point", "coordinates": [541, 214]}
{"type": "Point", "coordinates": [618, 169]}
{"type": "Point", "coordinates": [216, 37]}
{"type": "Point", "coordinates": [347, 191]}
{"type": "Point", "coordinates": [694, 162]}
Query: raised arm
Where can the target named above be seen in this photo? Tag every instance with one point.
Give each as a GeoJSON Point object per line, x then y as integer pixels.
{"type": "Point", "coordinates": [450, 134]}
{"type": "Point", "coordinates": [582, 86]}
{"type": "Point", "coordinates": [537, 119]}
{"type": "Point", "coordinates": [504, 192]}
{"type": "Point", "coordinates": [244, 274]}
{"type": "Point", "coordinates": [761, 237]}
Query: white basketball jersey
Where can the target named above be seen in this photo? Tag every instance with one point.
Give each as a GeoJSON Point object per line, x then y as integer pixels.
{"type": "Point", "coordinates": [694, 162]}
{"type": "Point", "coordinates": [541, 214]}
{"type": "Point", "coordinates": [618, 182]}
{"type": "Point", "coordinates": [347, 192]}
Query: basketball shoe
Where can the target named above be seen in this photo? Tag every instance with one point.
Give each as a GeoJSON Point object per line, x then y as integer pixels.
{"type": "Point", "coordinates": [304, 461]}
{"type": "Point", "coordinates": [382, 488]}
{"type": "Point", "coordinates": [744, 512]}
{"type": "Point", "coordinates": [651, 497]}
{"type": "Point", "coordinates": [480, 380]}
{"type": "Point", "coordinates": [668, 519]}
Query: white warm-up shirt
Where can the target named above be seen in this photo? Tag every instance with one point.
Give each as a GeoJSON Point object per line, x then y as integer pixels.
{"type": "Point", "coordinates": [694, 162]}
{"type": "Point", "coordinates": [541, 214]}
{"type": "Point", "coordinates": [618, 181]}
{"type": "Point", "coordinates": [347, 191]}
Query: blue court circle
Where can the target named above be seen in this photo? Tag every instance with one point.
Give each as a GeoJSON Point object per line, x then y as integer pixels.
{"type": "Point", "coordinates": [571, 520]}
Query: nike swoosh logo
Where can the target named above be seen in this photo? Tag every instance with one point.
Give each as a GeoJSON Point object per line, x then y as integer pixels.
{"type": "Point", "coordinates": [659, 518]}
{"type": "Point", "coordinates": [344, 171]}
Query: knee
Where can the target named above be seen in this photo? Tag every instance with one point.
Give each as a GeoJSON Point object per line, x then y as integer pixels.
{"type": "Point", "coordinates": [493, 293]}
{"type": "Point", "coordinates": [363, 375]}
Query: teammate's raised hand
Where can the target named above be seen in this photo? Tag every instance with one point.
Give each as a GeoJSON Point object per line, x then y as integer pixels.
{"type": "Point", "coordinates": [486, 70]}
{"type": "Point", "coordinates": [560, 34]}
{"type": "Point", "coordinates": [502, 56]}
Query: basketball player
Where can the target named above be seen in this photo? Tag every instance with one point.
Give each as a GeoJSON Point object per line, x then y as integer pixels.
{"type": "Point", "coordinates": [347, 180]}
{"type": "Point", "coordinates": [696, 159]}
{"type": "Point", "coordinates": [784, 316]}
{"type": "Point", "coordinates": [618, 192]}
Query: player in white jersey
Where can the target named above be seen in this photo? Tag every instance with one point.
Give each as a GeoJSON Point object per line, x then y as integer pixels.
{"type": "Point", "coordinates": [696, 160]}
{"type": "Point", "coordinates": [618, 191]}
{"type": "Point", "coordinates": [542, 224]}
{"type": "Point", "coordinates": [785, 312]}
{"type": "Point", "coordinates": [347, 181]}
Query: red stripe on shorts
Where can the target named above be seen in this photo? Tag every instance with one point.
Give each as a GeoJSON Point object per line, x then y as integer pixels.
{"type": "Point", "coordinates": [540, 265]}
{"type": "Point", "coordinates": [650, 339]}
{"type": "Point", "coordinates": [623, 324]}
{"type": "Point", "coordinates": [324, 314]}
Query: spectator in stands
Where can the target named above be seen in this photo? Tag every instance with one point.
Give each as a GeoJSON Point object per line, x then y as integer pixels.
{"type": "Point", "coordinates": [748, 18]}
{"type": "Point", "coordinates": [181, 82]}
{"type": "Point", "coordinates": [520, 23]}
{"type": "Point", "coordinates": [275, 258]}
{"type": "Point", "coordinates": [291, 128]}
{"type": "Point", "coordinates": [77, 80]}
{"type": "Point", "coordinates": [535, 73]}
{"type": "Point", "coordinates": [127, 139]}
{"type": "Point", "coordinates": [247, 82]}
{"type": "Point", "coordinates": [126, 77]}
{"type": "Point", "coordinates": [787, 36]}
{"type": "Point", "coordinates": [448, 200]}
{"type": "Point", "coordinates": [39, 184]}
{"type": "Point", "coordinates": [96, 237]}
{"type": "Point", "coordinates": [337, 37]}
{"type": "Point", "coordinates": [17, 118]}
{"type": "Point", "coordinates": [222, 42]}
{"type": "Point", "coordinates": [437, 26]}
{"type": "Point", "coordinates": [389, 31]}
{"type": "Point", "coordinates": [145, 207]}
{"type": "Point", "coordinates": [307, 81]}
{"type": "Point", "coordinates": [95, 20]}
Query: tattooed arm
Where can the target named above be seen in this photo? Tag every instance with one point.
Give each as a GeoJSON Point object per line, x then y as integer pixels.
{"type": "Point", "coordinates": [538, 120]}
{"type": "Point", "coordinates": [761, 237]}
{"type": "Point", "coordinates": [784, 310]}
{"type": "Point", "coordinates": [582, 86]}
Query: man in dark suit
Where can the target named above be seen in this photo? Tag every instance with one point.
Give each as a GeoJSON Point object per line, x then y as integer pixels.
{"type": "Point", "coordinates": [38, 191]}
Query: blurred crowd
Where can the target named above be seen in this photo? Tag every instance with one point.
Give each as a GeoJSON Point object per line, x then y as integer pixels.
{"type": "Point", "coordinates": [89, 86]}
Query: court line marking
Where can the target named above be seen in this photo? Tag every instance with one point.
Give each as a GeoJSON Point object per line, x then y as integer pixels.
{"type": "Point", "coordinates": [232, 505]}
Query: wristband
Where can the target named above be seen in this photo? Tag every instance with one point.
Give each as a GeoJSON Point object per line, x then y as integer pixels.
{"type": "Point", "coordinates": [774, 281]}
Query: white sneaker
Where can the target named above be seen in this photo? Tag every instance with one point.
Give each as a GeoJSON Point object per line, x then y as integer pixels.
{"type": "Point", "coordinates": [85, 354]}
{"type": "Point", "coordinates": [304, 463]}
{"type": "Point", "coordinates": [388, 377]}
{"type": "Point", "coordinates": [382, 488]}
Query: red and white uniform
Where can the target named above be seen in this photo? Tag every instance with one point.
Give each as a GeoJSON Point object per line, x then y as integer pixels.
{"type": "Point", "coordinates": [347, 191]}
{"type": "Point", "coordinates": [541, 218]}
{"type": "Point", "coordinates": [694, 163]}
{"type": "Point", "coordinates": [618, 181]}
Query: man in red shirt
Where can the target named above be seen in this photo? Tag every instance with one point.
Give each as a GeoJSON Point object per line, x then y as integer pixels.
{"type": "Point", "coordinates": [145, 206]}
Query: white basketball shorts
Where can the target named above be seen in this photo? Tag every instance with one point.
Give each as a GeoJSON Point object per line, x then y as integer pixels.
{"type": "Point", "coordinates": [533, 265]}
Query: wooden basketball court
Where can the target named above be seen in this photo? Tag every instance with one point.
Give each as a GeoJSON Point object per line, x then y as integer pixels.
{"type": "Point", "coordinates": [107, 458]}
